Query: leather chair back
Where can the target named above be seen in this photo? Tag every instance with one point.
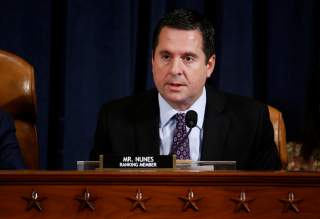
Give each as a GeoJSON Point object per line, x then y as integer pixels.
{"type": "Point", "coordinates": [18, 97]}
{"type": "Point", "coordinates": [279, 134]}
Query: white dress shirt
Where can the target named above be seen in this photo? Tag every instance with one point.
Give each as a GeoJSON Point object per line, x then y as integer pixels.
{"type": "Point", "coordinates": [167, 126]}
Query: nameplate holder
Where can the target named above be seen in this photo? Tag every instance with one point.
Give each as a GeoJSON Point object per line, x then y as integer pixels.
{"type": "Point", "coordinates": [206, 165]}
{"type": "Point", "coordinates": [139, 162]}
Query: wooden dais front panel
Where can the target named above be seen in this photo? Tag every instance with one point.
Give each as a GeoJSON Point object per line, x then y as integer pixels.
{"type": "Point", "coordinates": [159, 194]}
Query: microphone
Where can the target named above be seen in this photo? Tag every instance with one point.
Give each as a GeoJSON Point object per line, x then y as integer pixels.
{"type": "Point", "coordinates": [191, 119]}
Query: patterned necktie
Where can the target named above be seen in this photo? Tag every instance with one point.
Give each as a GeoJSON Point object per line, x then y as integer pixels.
{"type": "Point", "coordinates": [180, 143]}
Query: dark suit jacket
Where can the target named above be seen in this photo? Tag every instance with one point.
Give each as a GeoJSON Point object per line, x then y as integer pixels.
{"type": "Point", "coordinates": [235, 128]}
{"type": "Point", "coordinates": [10, 155]}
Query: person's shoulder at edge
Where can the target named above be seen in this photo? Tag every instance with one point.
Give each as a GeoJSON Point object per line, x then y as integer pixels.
{"type": "Point", "coordinates": [10, 154]}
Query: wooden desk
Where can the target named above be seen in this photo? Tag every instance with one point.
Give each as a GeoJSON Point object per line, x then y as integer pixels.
{"type": "Point", "coordinates": [113, 190]}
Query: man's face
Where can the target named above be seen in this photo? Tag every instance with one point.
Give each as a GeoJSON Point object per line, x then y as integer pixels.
{"type": "Point", "coordinates": [179, 66]}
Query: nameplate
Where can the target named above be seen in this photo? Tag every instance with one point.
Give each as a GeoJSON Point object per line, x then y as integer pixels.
{"type": "Point", "coordinates": [157, 161]}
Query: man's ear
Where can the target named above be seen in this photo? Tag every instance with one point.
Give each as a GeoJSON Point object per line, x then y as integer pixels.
{"type": "Point", "coordinates": [210, 65]}
{"type": "Point", "coordinates": [152, 59]}
{"type": "Point", "coordinates": [152, 56]}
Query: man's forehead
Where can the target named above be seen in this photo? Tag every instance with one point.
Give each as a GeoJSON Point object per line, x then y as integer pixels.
{"type": "Point", "coordinates": [176, 40]}
{"type": "Point", "coordinates": [170, 32]}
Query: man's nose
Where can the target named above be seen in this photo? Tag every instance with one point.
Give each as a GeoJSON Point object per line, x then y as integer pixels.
{"type": "Point", "coordinates": [176, 67]}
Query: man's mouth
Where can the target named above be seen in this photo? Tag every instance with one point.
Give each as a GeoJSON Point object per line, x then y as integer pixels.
{"type": "Point", "coordinates": [176, 84]}
{"type": "Point", "coordinates": [175, 87]}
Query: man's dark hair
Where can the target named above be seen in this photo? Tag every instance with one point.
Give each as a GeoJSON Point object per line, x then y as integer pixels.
{"type": "Point", "coordinates": [184, 19]}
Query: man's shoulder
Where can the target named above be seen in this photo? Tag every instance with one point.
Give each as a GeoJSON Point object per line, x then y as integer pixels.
{"type": "Point", "coordinates": [230, 100]}
{"type": "Point", "coordinates": [131, 103]}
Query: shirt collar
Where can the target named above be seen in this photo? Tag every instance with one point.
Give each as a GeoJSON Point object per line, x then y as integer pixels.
{"type": "Point", "coordinates": [167, 112]}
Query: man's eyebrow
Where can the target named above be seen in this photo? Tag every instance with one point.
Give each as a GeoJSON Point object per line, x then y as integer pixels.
{"type": "Point", "coordinates": [164, 52]}
{"type": "Point", "coordinates": [190, 54]}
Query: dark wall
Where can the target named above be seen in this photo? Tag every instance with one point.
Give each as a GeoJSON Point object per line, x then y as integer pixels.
{"type": "Point", "coordinates": [88, 52]}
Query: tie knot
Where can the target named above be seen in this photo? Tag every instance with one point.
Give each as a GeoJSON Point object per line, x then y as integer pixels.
{"type": "Point", "coordinates": [180, 117]}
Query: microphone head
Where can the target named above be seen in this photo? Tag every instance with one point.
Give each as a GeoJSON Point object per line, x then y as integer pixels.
{"type": "Point", "coordinates": [191, 118]}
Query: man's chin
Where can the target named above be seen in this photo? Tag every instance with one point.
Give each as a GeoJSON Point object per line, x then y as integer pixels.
{"type": "Point", "coordinates": [176, 101]}
{"type": "Point", "coordinates": [174, 97]}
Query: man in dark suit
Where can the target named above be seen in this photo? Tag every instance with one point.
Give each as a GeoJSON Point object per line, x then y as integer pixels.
{"type": "Point", "coordinates": [229, 127]}
{"type": "Point", "coordinates": [10, 155]}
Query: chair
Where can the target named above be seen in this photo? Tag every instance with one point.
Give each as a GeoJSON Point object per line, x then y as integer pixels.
{"type": "Point", "coordinates": [18, 97]}
{"type": "Point", "coordinates": [279, 134]}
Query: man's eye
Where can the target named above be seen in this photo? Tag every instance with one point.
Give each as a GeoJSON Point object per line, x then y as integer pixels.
{"type": "Point", "coordinates": [165, 57]}
{"type": "Point", "coordinates": [188, 58]}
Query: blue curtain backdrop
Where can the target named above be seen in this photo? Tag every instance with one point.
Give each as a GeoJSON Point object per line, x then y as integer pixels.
{"type": "Point", "coordinates": [86, 53]}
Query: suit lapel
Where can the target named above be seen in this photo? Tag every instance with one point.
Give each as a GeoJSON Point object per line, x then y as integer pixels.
{"type": "Point", "coordinates": [147, 125]}
{"type": "Point", "coordinates": [216, 125]}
